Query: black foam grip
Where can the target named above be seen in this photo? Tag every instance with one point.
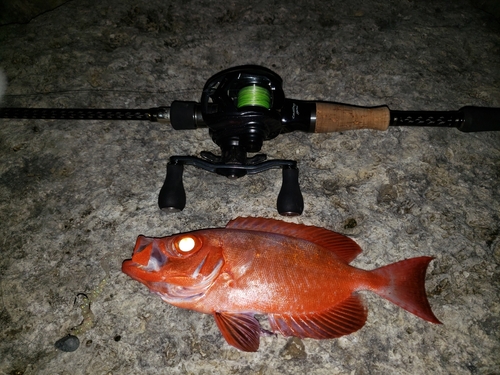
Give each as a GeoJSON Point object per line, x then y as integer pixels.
{"type": "Point", "coordinates": [290, 200]}
{"type": "Point", "coordinates": [480, 119]}
{"type": "Point", "coordinates": [172, 197]}
{"type": "Point", "coordinates": [183, 115]}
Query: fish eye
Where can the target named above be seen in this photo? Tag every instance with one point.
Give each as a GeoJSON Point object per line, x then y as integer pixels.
{"type": "Point", "coordinates": [186, 244]}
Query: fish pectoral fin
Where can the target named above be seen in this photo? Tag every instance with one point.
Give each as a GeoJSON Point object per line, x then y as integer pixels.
{"type": "Point", "coordinates": [240, 330]}
{"type": "Point", "coordinates": [342, 319]}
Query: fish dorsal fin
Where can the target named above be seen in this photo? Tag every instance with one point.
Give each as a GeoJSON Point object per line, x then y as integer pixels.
{"type": "Point", "coordinates": [344, 247]}
{"type": "Point", "coordinates": [343, 319]}
{"type": "Point", "coordinates": [240, 330]}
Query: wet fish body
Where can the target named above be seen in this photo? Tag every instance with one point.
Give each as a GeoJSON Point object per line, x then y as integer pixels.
{"type": "Point", "coordinates": [297, 275]}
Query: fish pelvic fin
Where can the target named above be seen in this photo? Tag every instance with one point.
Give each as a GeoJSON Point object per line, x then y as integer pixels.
{"type": "Point", "coordinates": [239, 329]}
{"type": "Point", "coordinates": [404, 285]}
{"type": "Point", "coordinates": [343, 319]}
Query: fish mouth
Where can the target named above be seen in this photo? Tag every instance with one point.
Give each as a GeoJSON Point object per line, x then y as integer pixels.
{"type": "Point", "coordinates": [128, 266]}
{"type": "Point", "coordinates": [172, 293]}
{"type": "Point", "coordinates": [146, 249]}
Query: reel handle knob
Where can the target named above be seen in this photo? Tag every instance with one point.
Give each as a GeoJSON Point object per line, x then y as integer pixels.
{"type": "Point", "coordinates": [290, 200]}
{"type": "Point", "coordinates": [172, 197]}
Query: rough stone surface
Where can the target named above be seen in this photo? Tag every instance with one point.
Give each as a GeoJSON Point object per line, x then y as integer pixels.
{"type": "Point", "coordinates": [23, 11]}
{"type": "Point", "coordinates": [74, 195]}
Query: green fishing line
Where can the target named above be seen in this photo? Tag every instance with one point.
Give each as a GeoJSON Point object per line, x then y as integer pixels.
{"type": "Point", "coordinates": [254, 96]}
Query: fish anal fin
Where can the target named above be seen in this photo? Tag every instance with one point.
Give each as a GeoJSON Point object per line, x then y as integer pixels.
{"type": "Point", "coordinates": [240, 330]}
{"type": "Point", "coordinates": [344, 247]}
{"type": "Point", "coordinates": [342, 319]}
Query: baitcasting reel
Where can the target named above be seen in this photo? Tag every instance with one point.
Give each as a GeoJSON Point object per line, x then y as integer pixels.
{"type": "Point", "coordinates": [245, 106]}
{"type": "Point", "coordinates": [242, 108]}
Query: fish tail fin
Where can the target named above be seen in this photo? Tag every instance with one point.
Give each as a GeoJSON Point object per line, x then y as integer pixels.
{"type": "Point", "coordinates": [404, 285]}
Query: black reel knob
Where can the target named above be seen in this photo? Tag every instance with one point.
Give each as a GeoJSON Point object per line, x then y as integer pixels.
{"type": "Point", "coordinates": [172, 197]}
{"type": "Point", "coordinates": [290, 200]}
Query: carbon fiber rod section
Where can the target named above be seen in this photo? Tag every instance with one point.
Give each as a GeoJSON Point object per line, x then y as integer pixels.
{"type": "Point", "coordinates": [76, 114]}
{"type": "Point", "coordinates": [443, 119]}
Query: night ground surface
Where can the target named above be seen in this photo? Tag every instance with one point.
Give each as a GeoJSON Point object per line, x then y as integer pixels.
{"type": "Point", "coordinates": [74, 195]}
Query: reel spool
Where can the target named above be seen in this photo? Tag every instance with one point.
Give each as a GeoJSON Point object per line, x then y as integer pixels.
{"type": "Point", "coordinates": [242, 108]}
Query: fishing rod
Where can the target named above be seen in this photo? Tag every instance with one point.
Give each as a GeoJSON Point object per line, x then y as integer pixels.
{"type": "Point", "coordinates": [244, 106]}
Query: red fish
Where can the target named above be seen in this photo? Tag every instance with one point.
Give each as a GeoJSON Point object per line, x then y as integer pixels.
{"type": "Point", "coordinates": [297, 275]}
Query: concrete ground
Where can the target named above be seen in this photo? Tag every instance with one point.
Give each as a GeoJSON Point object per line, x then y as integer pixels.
{"type": "Point", "coordinates": [74, 195]}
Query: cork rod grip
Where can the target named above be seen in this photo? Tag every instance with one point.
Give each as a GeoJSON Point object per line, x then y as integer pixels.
{"type": "Point", "coordinates": [332, 117]}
